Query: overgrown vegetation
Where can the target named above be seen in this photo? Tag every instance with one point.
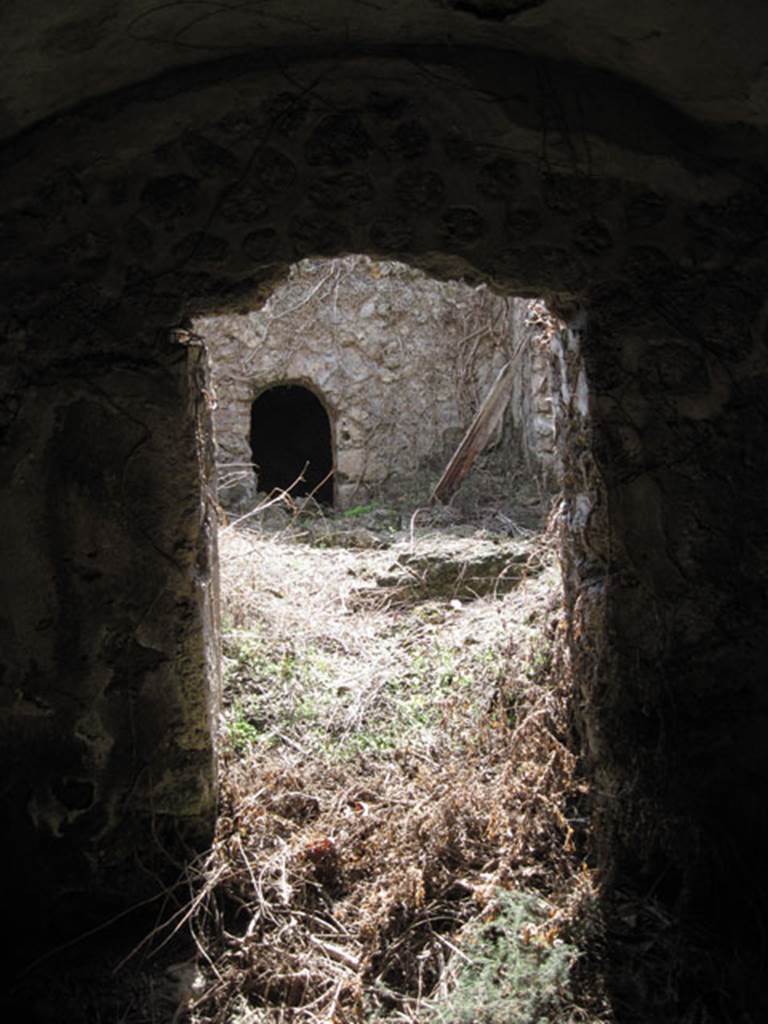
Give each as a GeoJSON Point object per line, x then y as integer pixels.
{"type": "Point", "coordinates": [510, 967]}
{"type": "Point", "coordinates": [401, 836]}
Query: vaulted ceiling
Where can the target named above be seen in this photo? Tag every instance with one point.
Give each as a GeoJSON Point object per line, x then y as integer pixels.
{"type": "Point", "coordinates": [708, 59]}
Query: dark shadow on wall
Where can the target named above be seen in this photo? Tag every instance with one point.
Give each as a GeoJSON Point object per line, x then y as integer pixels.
{"type": "Point", "coordinates": [290, 440]}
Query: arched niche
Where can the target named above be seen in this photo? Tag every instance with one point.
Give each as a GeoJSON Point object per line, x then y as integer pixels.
{"type": "Point", "coordinates": [292, 442]}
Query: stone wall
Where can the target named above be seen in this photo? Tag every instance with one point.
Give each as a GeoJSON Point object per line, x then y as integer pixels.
{"type": "Point", "coordinates": [109, 564]}
{"type": "Point", "coordinates": [401, 362]}
{"type": "Point", "coordinates": [535, 330]}
{"type": "Point", "coordinates": [193, 193]}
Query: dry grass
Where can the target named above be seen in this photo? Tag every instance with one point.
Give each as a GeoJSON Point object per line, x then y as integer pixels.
{"type": "Point", "coordinates": [395, 775]}
{"type": "Point", "coordinates": [351, 663]}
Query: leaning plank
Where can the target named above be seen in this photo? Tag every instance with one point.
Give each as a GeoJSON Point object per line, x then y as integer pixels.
{"type": "Point", "coordinates": [477, 436]}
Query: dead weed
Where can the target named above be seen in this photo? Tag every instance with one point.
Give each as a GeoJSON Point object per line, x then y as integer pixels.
{"type": "Point", "coordinates": [349, 888]}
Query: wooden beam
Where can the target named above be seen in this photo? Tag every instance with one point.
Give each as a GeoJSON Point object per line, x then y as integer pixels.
{"type": "Point", "coordinates": [477, 436]}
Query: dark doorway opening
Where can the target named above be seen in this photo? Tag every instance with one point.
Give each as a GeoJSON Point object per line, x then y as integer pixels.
{"type": "Point", "coordinates": [291, 438]}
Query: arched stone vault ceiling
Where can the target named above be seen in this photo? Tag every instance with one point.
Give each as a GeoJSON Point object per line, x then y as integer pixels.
{"type": "Point", "coordinates": [194, 194]}
{"type": "Point", "coordinates": [53, 56]}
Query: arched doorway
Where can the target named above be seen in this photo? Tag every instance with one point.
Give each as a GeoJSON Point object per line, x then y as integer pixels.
{"type": "Point", "coordinates": [291, 440]}
{"type": "Point", "coordinates": [199, 192]}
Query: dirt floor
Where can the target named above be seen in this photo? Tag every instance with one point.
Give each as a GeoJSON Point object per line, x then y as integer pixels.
{"type": "Point", "coordinates": [402, 828]}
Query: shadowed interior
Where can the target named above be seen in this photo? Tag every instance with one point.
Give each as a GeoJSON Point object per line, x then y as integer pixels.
{"type": "Point", "coordinates": [290, 441]}
{"type": "Point", "coordinates": [158, 165]}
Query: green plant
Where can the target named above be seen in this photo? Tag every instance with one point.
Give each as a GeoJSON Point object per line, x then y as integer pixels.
{"type": "Point", "coordinates": [359, 510]}
{"type": "Point", "coordinates": [240, 730]}
{"type": "Point", "coordinates": [248, 655]}
{"type": "Point", "coordinates": [538, 661]}
{"type": "Point", "coordinates": [514, 968]}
